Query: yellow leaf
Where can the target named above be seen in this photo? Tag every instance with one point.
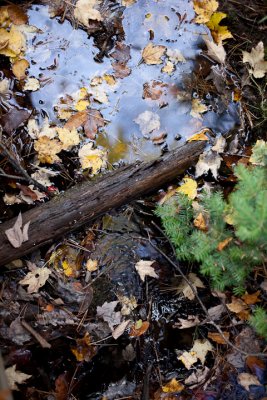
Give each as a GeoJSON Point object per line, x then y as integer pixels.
{"type": "Point", "coordinates": [14, 40]}
{"type": "Point", "coordinates": [224, 243]}
{"type": "Point", "coordinates": [84, 350]}
{"type": "Point", "coordinates": [173, 386]}
{"type": "Point", "coordinates": [91, 265]}
{"type": "Point", "coordinates": [219, 33]}
{"type": "Point", "coordinates": [152, 54]}
{"type": "Point", "coordinates": [200, 222]}
{"type": "Point", "coordinates": [48, 149]}
{"type": "Point", "coordinates": [82, 105]}
{"type": "Point", "coordinates": [69, 138]}
{"type": "Point", "coordinates": [95, 159]}
{"type": "Point", "coordinates": [189, 188]}
{"type": "Point", "coordinates": [168, 68]}
{"type": "Point", "coordinates": [110, 79]}
{"type": "Point", "coordinates": [197, 109]}
{"type": "Point", "coordinates": [67, 268]}
{"type": "Point", "coordinates": [19, 68]}
{"type": "Point", "coordinates": [198, 136]}
{"type": "Point", "coordinates": [204, 10]}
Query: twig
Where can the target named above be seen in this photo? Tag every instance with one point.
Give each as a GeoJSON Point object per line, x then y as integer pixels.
{"type": "Point", "coordinates": [15, 177]}
{"type": "Point", "coordinates": [19, 168]}
{"type": "Point", "coordinates": [44, 344]}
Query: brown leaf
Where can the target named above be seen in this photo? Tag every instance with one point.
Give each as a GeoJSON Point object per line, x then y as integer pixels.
{"type": "Point", "coordinates": [84, 350]}
{"type": "Point", "coordinates": [121, 70]}
{"type": "Point", "coordinates": [154, 90]}
{"type": "Point", "coordinates": [15, 377]}
{"type": "Point", "coordinates": [217, 337]}
{"type": "Point", "coordinates": [224, 243]}
{"type": "Point", "coordinates": [19, 68]}
{"type": "Point", "coordinates": [252, 298]}
{"type": "Point", "coordinates": [14, 118]}
{"type": "Point", "coordinates": [200, 223]}
{"type": "Point", "coordinates": [139, 328]}
{"type": "Point", "coordinates": [76, 120]}
{"type": "Point", "coordinates": [121, 53]}
{"type": "Point", "coordinates": [18, 233]}
{"type": "Point", "coordinates": [152, 54]}
{"type": "Point", "coordinates": [61, 387]}
{"type": "Point", "coordinates": [244, 379]}
{"type": "Point", "coordinates": [94, 121]}
{"type": "Point", "coordinates": [15, 14]}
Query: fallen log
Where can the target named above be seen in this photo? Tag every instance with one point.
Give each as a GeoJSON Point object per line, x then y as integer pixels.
{"type": "Point", "coordinates": [87, 201]}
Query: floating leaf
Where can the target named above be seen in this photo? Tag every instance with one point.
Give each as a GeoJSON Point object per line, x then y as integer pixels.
{"type": "Point", "coordinates": [68, 138]}
{"type": "Point", "coordinates": [216, 51]}
{"type": "Point", "coordinates": [32, 84]}
{"type": "Point", "coordinates": [144, 268]}
{"type": "Point", "coordinates": [198, 136]}
{"type": "Point", "coordinates": [48, 149]}
{"type": "Point", "coordinates": [94, 159]}
{"type": "Point", "coordinates": [204, 10]}
{"type": "Point", "coordinates": [152, 54]}
{"type": "Point", "coordinates": [168, 68]}
{"type": "Point", "coordinates": [197, 109]}
{"type": "Point", "coordinates": [85, 11]}
{"type": "Point", "coordinates": [175, 56]}
{"type": "Point", "coordinates": [19, 68]}
{"type": "Point", "coordinates": [148, 122]}
{"type": "Point", "coordinates": [12, 42]}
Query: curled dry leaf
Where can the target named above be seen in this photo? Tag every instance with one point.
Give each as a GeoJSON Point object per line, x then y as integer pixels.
{"type": "Point", "coordinates": [144, 268]}
{"type": "Point", "coordinates": [15, 377]}
{"type": "Point", "coordinates": [152, 54]}
{"type": "Point", "coordinates": [18, 233]}
{"type": "Point", "coordinates": [35, 279]}
{"type": "Point", "coordinates": [85, 10]}
{"type": "Point", "coordinates": [216, 51]}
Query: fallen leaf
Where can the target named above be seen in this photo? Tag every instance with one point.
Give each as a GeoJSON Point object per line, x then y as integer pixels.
{"type": "Point", "coordinates": [47, 149]}
{"type": "Point", "coordinates": [128, 3]}
{"type": "Point", "coordinates": [154, 90]}
{"type": "Point", "coordinates": [68, 138]}
{"type": "Point", "coordinates": [12, 42]}
{"type": "Point", "coordinates": [188, 359]}
{"type": "Point", "coordinates": [91, 120]}
{"type": "Point", "coordinates": [19, 68]}
{"type": "Point", "coordinates": [144, 268]}
{"type": "Point", "coordinates": [14, 14]}
{"type": "Point", "coordinates": [208, 161]}
{"type": "Point", "coordinates": [197, 109]}
{"type": "Point", "coordinates": [175, 56]}
{"type": "Point", "coordinates": [216, 312]}
{"type": "Point", "coordinates": [107, 313]}
{"type": "Point", "coordinates": [244, 379]}
{"type": "Point", "coordinates": [121, 70]}
{"type": "Point", "coordinates": [192, 320]}
{"type": "Point", "coordinates": [197, 377]}
{"type": "Point", "coordinates": [152, 54]}
{"type": "Point", "coordinates": [204, 10]}
{"type": "Point", "coordinates": [189, 188]}
{"type": "Point", "coordinates": [256, 60]}
{"type": "Point", "coordinates": [198, 136]}
{"type": "Point", "coordinates": [219, 32]}
{"type": "Point", "coordinates": [200, 348]}
{"type": "Point", "coordinates": [121, 53]}
{"type": "Point", "coordinates": [92, 265]}
{"type": "Point", "coordinates": [15, 377]}
{"type": "Point", "coordinates": [128, 304]}
{"type": "Point", "coordinates": [259, 153]}
{"type": "Point", "coordinates": [31, 84]}
{"type": "Point", "coordinates": [216, 51]}
{"type": "Point", "coordinates": [252, 298]}
{"type": "Point", "coordinates": [173, 386]}
{"type": "Point", "coordinates": [18, 234]}
{"type": "Point", "coordinates": [219, 144]}
{"type": "Point", "coordinates": [184, 288]}
{"type": "Point", "coordinates": [36, 279]}
{"type": "Point", "coordinates": [217, 337]}
{"type": "Point", "coordinates": [120, 329]}
{"type": "Point", "coordinates": [84, 350]}
{"type": "Point", "coordinates": [224, 244]}
{"type": "Point", "coordinates": [84, 11]}
{"type": "Point", "coordinates": [168, 68]}
{"type": "Point", "coordinates": [99, 94]}
{"type": "Point", "coordinates": [148, 122]}
{"type": "Point", "coordinates": [139, 328]}
{"type": "Point", "coordinates": [76, 120]}
{"type": "Point", "coordinates": [94, 159]}
{"type": "Point", "coordinates": [110, 79]}
{"type": "Point", "coordinates": [237, 305]}
{"type": "Point", "coordinates": [200, 222]}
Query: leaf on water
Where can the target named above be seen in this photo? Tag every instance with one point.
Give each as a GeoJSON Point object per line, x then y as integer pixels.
{"type": "Point", "coordinates": [144, 268]}
{"type": "Point", "coordinates": [173, 386]}
{"type": "Point", "coordinates": [217, 337]}
{"type": "Point", "coordinates": [91, 120]}
{"type": "Point", "coordinates": [244, 379]}
{"type": "Point", "coordinates": [168, 68]}
{"type": "Point", "coordinates": [197, 109]}
{"type": "Point", "coordinates": [148, 122]}
{"type": "Point", "coordinates": [47, 149]}
{"type": "Point", "coordinates": [12, 42]}
{"type": "Point", "coordinates": [99, 94]}
{"type": "Point", "coordinates": [189, 188]}
{"type": "Point", "coordinates": [198, 136]}
{"type": "Point", "coordinates": [175, 56]}
{"type": "Point", "coordinates": [184, 288]}
{"type": "Point", "coordinates": [18, 233]}
{"type": "Point", "coordinates": [139, 328]}
{"type": "Point", "coordinates": [208, 161]}
{"type": "Point", "coordinates": [12, 14]}
{"type": "Point", "coordinates": [94, 159]}
{"type": "Point", "coordinates": [128, 3]}
{"type": "Point", "coordinates": [256, 60]}
{"type": "Point", "coordinates": [85, 10]}
{"type": "Point", "coordinates": [19, 68]}
{"type": "Point", "coordinates": [152, 54]}
{"type": "Point", "coordinates": [32, 84]}
{"type": "Point", "coordinates": [219, 32]}
{"type": "Point", "coordinates": [154, 90]}
{"type": "Point", "coordinates": [68, 138]}
{"type": "Point", "coordinates": [108, 314]}
{"type": "Point", "coordinates": [120, 329]}
{"type": "Point", "coordinates": [216, 51]}
{"type": "Point", "coordinates": [204, 10]}
{"type": "Point", "coordinates": [15, 377]}
{"type": "Point", "coordinates": [36, 279]}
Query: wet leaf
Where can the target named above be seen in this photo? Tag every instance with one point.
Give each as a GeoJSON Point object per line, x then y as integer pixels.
{"type": "Point", "coordinates": [92, 265]}
{"type": "Point", "coordinates": [144, 268]}
{"type": "Point", "coordinates": [18, 234]}
{"type": "Point", "coordinates": [120, 329]}
{"type": "Point", "coordinates": [121, 54]}
{"type": "Point", "coordinates": [198, 136]}
{"type": "Point", "coordinates": [173, 386]}
{"type": "Point", "coordinates": [128, 3]}
{"type": "Point", "coordinates": [47, 149]}
{"type": "Point", "coordinates": [99, 94]}
{"type": "Point", "coordinates": [154, 90]}
{"type": "Point", "coordinates": [12, 42]}
{"type": "Point", "coordinates": [175, 56]}
{"type": "Point", "coordinates": [208, 161]}
{"type": "Point", "coordinates": [168, 68]}
{"type": "Point", "coordinates": [219, 144]}
{"type": "Point", "coordinates": [36, 279]}
{"type": "Point", "coordinates": [148, 122]}
{"type": "Point", "coordinates": [152, 54]}
{"type": "Point", "coordinates": [256, 61]}
{"type": "Point", "coordinates": [19, 68]}
{"type": "Point", "coordinates": [192, 320]}
{"type": "Point", "coordinates": [197, 377]}
{"type": "Point", "coordinates": [204, 10]}
{"type": "Point", "coordinates": [246, 380]}
{"type": "Point", "coordinates": [121, 70]}
{"type": "Point", "coordinates": [217, 337]}
{"type": "Point", "coordinates": [32, 84]}
{"type": "Point", "coordinates": [84, 350]}
{"type": "Point", "coordinates": [14, 118]}
{"type": "Point", "coordinates": [139, 328]}
{"type": "Point", "coordinates": [68, 138]}
{"type": "Point", "coordinates": [184, 288]}
{"type": "Point", "coordinates": [219, 32]}
{"type": "Point", "coordinates": [128, 304]}
{"type": "Point", "coordinates": [76, 120]}
{"type": "Point", "coordinates": [14, 14]}
{"type": "Point", "coordinates": [197, 109]}
{"type": "Point", "coordinates": [216, 51]}
{"type": "Point", "coordinates": [93, 159]}
{"type": "Point", "coordinates": [61, 387]}
{"type": "Point", "coordinates": [85, 10]}
{"type": "Point", "coordinates": [189, 188]}
{"type": "Point", "coordinates": [108, 314]}
{"type": "Point", "coordinates": [15, 377]}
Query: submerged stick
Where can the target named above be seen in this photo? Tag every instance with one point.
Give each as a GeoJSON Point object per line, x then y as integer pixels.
{"type": "Point", "coordinates": [85, 202]}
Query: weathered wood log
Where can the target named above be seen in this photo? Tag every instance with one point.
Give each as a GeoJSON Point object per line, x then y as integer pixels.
{"type": "Point", "coordinates": [87, 201]}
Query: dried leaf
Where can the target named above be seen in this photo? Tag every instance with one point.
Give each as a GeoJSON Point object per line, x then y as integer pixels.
{"type": "Point", "coordinates": [201, 348]}
{"type": "Point", "coordinates": [219, 32]}
{"type": "Point", "coordinates": [197, 377]}
{"type": "Point", "coordinates": [99, 94]}
{"type": "Point", "coordinates": [200, 222]}
{"type": "Point", "coordinates": [197, 109]}
{"type": "Point", "coordinates": [148, 122]}
{"type": "Point", "coordinates": [198, 136]}
{"type": "Point", "coordinates": [188, 359]}
{"type": "Point", "coordinates": [68, 138]}
{"type": "Point", "coordinates": [184, 288]}
{"type": "Point", "coordinates": [192, 320]}
{"type": "Point", "coordinates": [252, 298]}
{"type": "Point", "coordinates": [219, 144]}
{"type": "Point", "coordinates": [107, 313]}
{"type": "Point", "coordinates": [120, 329]}
{"type": "Point", "coordinates": [14, 14]}
{"type": "Point", "coordinates": [12, 42]}
{"type": "Point", "coordinates": [208, 161]}
{"type": "Point", "coordinates": [85, 11]}
{"type": "Point", "coordinates": [237, 305]}
{"type": "Point", "coordinates": [18, 233]}
{"type": "Point", "coordinates": [168, 68]}
{"type": "Point", "coordinates": [15, 377]}
{"type": "Point", "coordinates": [259, 153]}
{"type": "Point", "coordinates": [92, 265]}
{"type": "Point", "coordinates": [19, 68]}
{"type": "Point", "coordinates": [94, 159]}
{"type": "Point", "coordinates": [216, 51]}
{"type": "Point", "coordinates": [217, 337]}
{"type": "Point", "coordinates": [173, 386]}
{"type": "Point", "coordinates": [244, 379]}
{"type": "Point", "coordinates": [189, 188]}
{"type": "Point", "coordinates": [175, 56]}
{"type": "Point", "coordinates": [48, 149]}
{"type": "Point", "coordinates": [32, 84]}
{"type": "Point", "coordinates": [216, 312]}
{"type": "Point", "coordinates": [224, 244]}
{"type": "Point", "coordinates": [139, 328]}
{"type": "Point", "coordinates": [144, 268]}
{"type": "Point", "coordinates": [152, 54]}
{"type": "Point", "coordinates": [128, 304]}
{"type": "Point", "coordinates": [204, 10]}
{"type": "Point", "coordinates": [256, 60]}
{"type": "Point", "coordinates": [76, 120]}
{"type": "Point", "coordinates": [36, 279]}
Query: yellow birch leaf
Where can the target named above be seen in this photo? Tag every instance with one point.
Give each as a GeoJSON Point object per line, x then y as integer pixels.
{"type": "Point", "coordinates": [48, 149]}
{"type": "Point", "coordinates": [198, 136]}
{"type": "Point", "coordinates": [219, 32]}
{"type": "Point", "coordinates": [204, 10]}
{"type": "Point", "coordinates": [91, 158]}
{"type": "Point", "coordinates": [15, 42]}
{"type": "Point", "coordinates": [69, 138]}
{"type": "Point", "coordinates": [189, 188]}
{"type": "Point", "coordinates": [152, 54]}
{"type": "Point", "coordinates": [82, 105]}
{"type": "Point", "coordinates": [173, 386]}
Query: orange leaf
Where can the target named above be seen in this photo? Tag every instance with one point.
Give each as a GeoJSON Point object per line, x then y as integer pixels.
{"type": "Point", "coordinates": [251, 298]}
{"type": "Point", "coordinates": [173, 386]}
{"type": "Point", "coordinates": [224, 243]}
{"type": "Point", "coordinates": [217, 337]}
{"type": "Point", "coordinates": [139, 328]}
{"type": "Point", "coordinates": [84, 350]}
{"type": "Point", "coordinates": [200, 223]}
{"type": "Point", "coordinates": [198, 136]}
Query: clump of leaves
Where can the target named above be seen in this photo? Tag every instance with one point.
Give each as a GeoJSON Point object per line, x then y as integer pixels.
{"type": "Point", "coordinates": [231, 239]}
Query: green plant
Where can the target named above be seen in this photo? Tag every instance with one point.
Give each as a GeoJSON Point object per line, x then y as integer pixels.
{"type": "Point", "coordinates": [234, 239]}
